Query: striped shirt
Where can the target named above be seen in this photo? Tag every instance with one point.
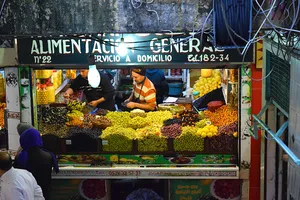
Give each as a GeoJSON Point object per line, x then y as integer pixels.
{"type": "Point", "coordinates": [146, 93]}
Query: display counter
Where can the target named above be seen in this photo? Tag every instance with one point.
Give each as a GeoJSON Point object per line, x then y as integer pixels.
{"type": "Point", "coordinates": [190, 133]}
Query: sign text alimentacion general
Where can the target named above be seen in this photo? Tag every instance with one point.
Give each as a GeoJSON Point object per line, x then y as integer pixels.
{"type": "Point", "coordinates": [89, 46]}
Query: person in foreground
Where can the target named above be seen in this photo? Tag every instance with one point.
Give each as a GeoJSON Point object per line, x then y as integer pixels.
{"type": "Point", "coordinates": [144, 94]}
{"type": "Point", "coordinates": [35, 159]}
{"type": "Point", "coordinates": [17, 184]}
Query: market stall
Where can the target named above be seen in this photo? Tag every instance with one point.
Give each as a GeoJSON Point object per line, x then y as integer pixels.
{"type": "Point", "coordinates": [193, 135]}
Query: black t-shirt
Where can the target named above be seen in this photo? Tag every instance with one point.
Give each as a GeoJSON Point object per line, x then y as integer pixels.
{"type": "Point", "coordinates": [40, 163]}
{"type": "Point", "coordinates": [104, 90]}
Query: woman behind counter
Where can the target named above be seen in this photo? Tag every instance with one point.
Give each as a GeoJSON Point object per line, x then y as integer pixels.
{"type": "Point", "coordinates": [143, 95]}
{"type": "Point", "coordinates": [100, 97]}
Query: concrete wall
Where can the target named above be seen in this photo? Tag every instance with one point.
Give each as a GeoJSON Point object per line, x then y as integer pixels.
{"type": "Point", "coordinates": [294, 128]}
{"type": "Point", "coordinates": [86, 16]}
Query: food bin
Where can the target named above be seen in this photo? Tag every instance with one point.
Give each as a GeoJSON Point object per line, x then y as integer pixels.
{"type": "Point", "coordinates": [175, 89]}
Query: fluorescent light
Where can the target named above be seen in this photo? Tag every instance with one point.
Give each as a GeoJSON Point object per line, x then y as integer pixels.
{"type": "Point", "coordinates": [122, 48]}
{"type": "Point", "coordinates": [93, 76]}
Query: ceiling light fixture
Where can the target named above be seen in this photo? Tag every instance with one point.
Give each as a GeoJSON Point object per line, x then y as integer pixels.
{"type": "Point", "coordinates": [93, 74]}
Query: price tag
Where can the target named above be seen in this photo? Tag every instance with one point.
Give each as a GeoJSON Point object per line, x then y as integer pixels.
{"type": "Point", "coordinates": [68, 142]}
{"type": "Point", "coordinates": [104, 142]}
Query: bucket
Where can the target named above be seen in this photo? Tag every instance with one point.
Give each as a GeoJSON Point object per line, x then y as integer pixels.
{"type": "Point", "coordinates": [175, 89]}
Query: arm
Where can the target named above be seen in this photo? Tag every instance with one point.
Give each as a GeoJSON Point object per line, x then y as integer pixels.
{"type": "Point", "coordinates": [18, 193]}
{"type": "Point", "coordinates": [75, 85]}
{"type": "Point", "coordinates": [140, 106]}
{"type": "Point", "coordinates": [108, 89]}
{"type": "Point", "coordinates": [130, 98]}
{"type": "Point", "coordinates": [150, 101]}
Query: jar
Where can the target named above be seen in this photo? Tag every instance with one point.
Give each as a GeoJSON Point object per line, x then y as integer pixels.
{"type": "Point", "coordinates": [59, 77]}
{"type": "Point", "coordinates": [43, 73]}
{"type": "Point", "coordinates": [51, 94]}
{"type": "Point", "coordinates": [71, 74]}
{"type": "Point", "coordinates": [233, 75]}
{"type": "Point", "coordinates": [42, 95]}
{"type": "Point", "coordinates": [55, 79]}
{"type": "Point", "coordinates": [2, 85]}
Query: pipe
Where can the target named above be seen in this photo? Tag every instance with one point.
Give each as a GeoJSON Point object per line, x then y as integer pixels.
{"type": "Point", "coordinates": [278, 140]}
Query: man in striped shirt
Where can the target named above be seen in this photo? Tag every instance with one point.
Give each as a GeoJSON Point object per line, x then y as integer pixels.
{"type": "Point", "coordinates": [144, 94]}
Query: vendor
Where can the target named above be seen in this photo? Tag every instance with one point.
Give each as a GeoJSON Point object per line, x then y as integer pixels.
{"type": "Point", "coordinates": [143, 95]}
{"type": "Point", "coordinates": [157, 77]}
{"type": "Point", "coordinates": [100, 97]}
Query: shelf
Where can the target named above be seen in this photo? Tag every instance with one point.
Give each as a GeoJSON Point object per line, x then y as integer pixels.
{"type": "Point", "coordinates": [119, 172]}
{"type": "Point", "coordinates": [233, 83]}
{"type": "Point", "coordinates": [62, 86]}
{"type": "Point", "coordinates": [173, 77]}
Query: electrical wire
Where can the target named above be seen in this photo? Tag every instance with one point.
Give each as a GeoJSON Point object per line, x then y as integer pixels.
{"type": "Point", "coordinates": [271, 23]}
{"type": "Point", "coordinates": [2, 7]}
{"type": "Point", "coordinates": [226, 13]}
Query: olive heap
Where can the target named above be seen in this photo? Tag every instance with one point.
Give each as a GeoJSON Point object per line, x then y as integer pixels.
{"type": "Point", "coordinates": [138, 122]}
{"type": "Point", "coordinates": [152, 143]}
{"type": "Point", "coordinates": [91, 132]}
{"type": "Point", "coordinates": [188, 118]}
{"type": "Point", "coordinates": [171, 131]}
{"type": "Point", "coordinates": [151, 140]}
{"type": "Point", "coordinates": [53, 115]}
{"type": "Point", "coordinates": [119, 118]}
{"type": "Point", "coordinates": [101, 122]}
{"type": "Point", "coordinates": [189, 140]}
{"type": "Point", "coordinates": [117, 139]}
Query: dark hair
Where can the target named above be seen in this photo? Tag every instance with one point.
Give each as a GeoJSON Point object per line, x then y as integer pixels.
{"type": "Point", "coordinates": [5, 161]}
{"type": "Point", "coordinates": [139, 71]}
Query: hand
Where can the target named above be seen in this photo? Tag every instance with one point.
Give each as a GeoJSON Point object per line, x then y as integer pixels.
{"type": "Point", "coordinates": [66, 95]}
{"type": "Point", "coordinates": [131, 105]}
{"type": "Point", "coordinates": [93, 103]}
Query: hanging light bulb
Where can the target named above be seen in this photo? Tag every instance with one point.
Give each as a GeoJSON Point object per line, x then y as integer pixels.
{"type": "Point", "coordinates": [122, 48]}
{"type": "Point", "coordinates": [93, 75]}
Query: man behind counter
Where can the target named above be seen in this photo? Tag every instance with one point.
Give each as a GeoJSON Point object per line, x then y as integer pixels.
{"type": "Point", "coordinates": [100, 97]}
{"type": "Point", "coordinates": [144, 94]}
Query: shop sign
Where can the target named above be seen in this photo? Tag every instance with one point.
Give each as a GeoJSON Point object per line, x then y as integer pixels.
{"type": "Point", "coordinates": [125, 49]}
{"type": "Point", "coordinates": [205, 189]}
{"type": "Point", "coordinates": [189, 189]}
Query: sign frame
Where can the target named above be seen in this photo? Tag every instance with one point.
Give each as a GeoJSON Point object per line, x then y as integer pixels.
{"type": "Point", "coordinates": [153, 50]}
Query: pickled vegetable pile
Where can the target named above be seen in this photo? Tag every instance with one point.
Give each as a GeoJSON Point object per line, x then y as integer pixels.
{"type": "Point", "coordinates": [151, 130]}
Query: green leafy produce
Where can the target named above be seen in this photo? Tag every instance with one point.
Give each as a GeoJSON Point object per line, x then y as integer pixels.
{"type": "Point", "coordinates": [76, 105]}
{"type": "Point", "coordinates": [189, 140]}
{"type": "Point", "coordinates": [74, 114]}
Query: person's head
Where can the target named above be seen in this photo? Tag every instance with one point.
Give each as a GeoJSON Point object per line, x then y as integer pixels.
{"type": "Point", "coordinates": [84, 73]}
{"type": "Point", "coordinates": [31, 138]}
{"type": "Point", "coordinates": [5, 162]}
{"type": "Point", "coordinates": [23, 126]}
{"type": "Point", "coordinates": [138, 75]}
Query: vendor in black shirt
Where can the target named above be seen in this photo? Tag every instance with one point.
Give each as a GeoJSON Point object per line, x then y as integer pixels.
{"type": "Point", "coordinates": [100, 97]}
